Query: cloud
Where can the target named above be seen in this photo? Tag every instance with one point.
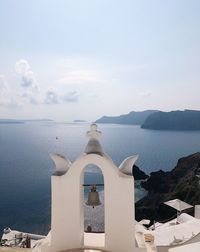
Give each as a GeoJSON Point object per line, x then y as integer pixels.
{"type": "Point", "coordinates": [23, 69]}
{"type": "Point", "coordinates": [92, 95]}
{"type": "Point", "coordinates": [76, 71]}
{"type": "Point", "coordinates": [79, 77]}
{"type": "Point", "coordinates": [8, 97]}
{"type": "Point", "coordinates": [28, 96]}
{"type": "Point", "coordinates": [31, 91]}
{"type": "Point", "coordinates": [12, 102]}
{"type": "Point", "coordinates": [145, 94]}
{"type": "Point", "coordinates": [51, 97]}
{"type": "Point", "coordinates": [3, 83]}
{"type": "Point", "coordinates": [4, 99]}
{"type": "Point", "coordinates": [72, 96]}
{"type": "Point", "coordinates": [133, 68]}
{"type": "Point", "coordinates": [28, 91]}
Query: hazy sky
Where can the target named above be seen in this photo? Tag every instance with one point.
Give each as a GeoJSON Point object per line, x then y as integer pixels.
{"type": "Point", "coordinates": [81, 59]}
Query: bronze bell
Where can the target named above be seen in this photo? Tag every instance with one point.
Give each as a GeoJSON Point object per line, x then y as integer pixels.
{"type": "Point", "coordinates": [93, 197]}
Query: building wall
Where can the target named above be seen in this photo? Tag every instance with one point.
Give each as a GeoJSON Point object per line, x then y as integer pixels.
{"type": "Point", "coordinates": [67, 206]}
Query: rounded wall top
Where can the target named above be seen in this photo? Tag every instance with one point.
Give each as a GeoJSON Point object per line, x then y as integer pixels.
{"type": "Point", "coordinates": [93, 145]}
{"type": "Point", "coordinates": [94, 133]}
{"type": "Point", "coordinates": [93, 127]}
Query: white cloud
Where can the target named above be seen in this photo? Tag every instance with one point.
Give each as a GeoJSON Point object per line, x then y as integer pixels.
{"type": "Point", "coordinates": [77, 71]}
{"type": "Point", "coordinates": [51, 97]}
{"type": "Point", "coordinates": [145, 94]}
{"type": "Point", "coordinates": [26, 93]}
{"type": "Point", "coordinates": [28, 79]}
{"type": "Point", "coordinates": [8, 97]}
{"type": "Point", "coordinates": [28, 96]}
{"type": "Point", "coordinates": [80, 77]}
{"type": "Point", "coordinates": [133, 68]}
{"type": "Point", "coordinates": [3, 83]}
{"type": "Point", "coordinates": [92, 95]}
{"type": "Point", "coordinates": [4, 99]}
{"type": "Point", "coordinates": [72, 96]}
{"type": "Point", "coordinates": [30, 88]}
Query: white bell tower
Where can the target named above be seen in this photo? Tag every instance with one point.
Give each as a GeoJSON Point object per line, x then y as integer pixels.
{"type": "Point", "coordinates": [67, 221]}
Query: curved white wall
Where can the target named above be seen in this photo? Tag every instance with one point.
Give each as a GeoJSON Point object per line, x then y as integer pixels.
{"type": "Point", "coordinates": [67, 206]}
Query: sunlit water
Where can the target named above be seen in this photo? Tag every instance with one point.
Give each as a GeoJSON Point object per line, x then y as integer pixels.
{"type": "Point", "coordinates": [26, 168]}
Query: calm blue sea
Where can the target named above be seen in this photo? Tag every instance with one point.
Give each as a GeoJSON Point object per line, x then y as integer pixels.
{"type": "Point", "coordinates": [26, 168]}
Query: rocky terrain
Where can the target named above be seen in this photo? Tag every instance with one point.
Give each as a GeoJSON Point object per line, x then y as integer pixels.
{"type": "Point", "coordinates": [182, 182]}
{"type": "Point", "coordinates": [139, 174]}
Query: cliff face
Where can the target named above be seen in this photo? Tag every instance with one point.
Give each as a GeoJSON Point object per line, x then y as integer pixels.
{"type": "Point", "coordinates": [174, 120]}
{"type": "Point", "coordinates": [135, 118]}
{"type": "Point", "coordinates": [138, 174]}
{"type": "Point", "coordinates": [182, 182]}
{"type": "Point", "coordinates": [158, 120]}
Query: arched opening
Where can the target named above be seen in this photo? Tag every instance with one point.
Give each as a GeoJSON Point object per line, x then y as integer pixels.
{"type": "Point", "coordinates": [93, 215]}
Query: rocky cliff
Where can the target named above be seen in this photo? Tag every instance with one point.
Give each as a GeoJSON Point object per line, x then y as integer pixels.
{"type": "Point", "coordinates": [182, 182]}
{"type": "Point", "coordinates": [139, 174]}
{"type": "Point", "coordinates": [174, 120]}
{"type": "Point", "coordinates": [134, 118]}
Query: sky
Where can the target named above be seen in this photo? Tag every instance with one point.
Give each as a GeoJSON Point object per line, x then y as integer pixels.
{"type": "Point", "coordinates": [82, 59]}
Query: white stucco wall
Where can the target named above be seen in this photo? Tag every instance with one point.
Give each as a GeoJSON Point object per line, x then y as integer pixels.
{"type": "Point", "coordinates": [67, 222]}
{"type": "Point", "coordinates": [197, 211]}
{"type": "Point", "coordinates": [67, 206]}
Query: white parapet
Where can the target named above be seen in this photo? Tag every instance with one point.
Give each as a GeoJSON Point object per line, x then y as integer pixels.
{"type": "Point", "coordinates": [197, 211]}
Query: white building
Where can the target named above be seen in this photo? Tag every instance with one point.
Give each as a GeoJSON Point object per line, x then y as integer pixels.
{"type": "Point", "coordinates": [67, 222]}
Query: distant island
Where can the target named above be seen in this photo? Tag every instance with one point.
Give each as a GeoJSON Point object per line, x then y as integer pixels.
{"type": "Point", "coordinates": [39, 120]}
{"type": "Point", "coordinates": [135, 118]}
{"type": "Point", "coordinates": [10, 121]}
{"type": "Point", "coordinates": [79, 121]}
{"type": "Point", "coordinates": [174, 120]}
{"type": "Point", "coordinates": [158, 120]}
{"type": "Point", "coordinates": [15, 121]}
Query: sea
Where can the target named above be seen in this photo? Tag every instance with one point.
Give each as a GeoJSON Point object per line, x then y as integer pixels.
{"type": "Point", "coordinates": [26, 167]}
